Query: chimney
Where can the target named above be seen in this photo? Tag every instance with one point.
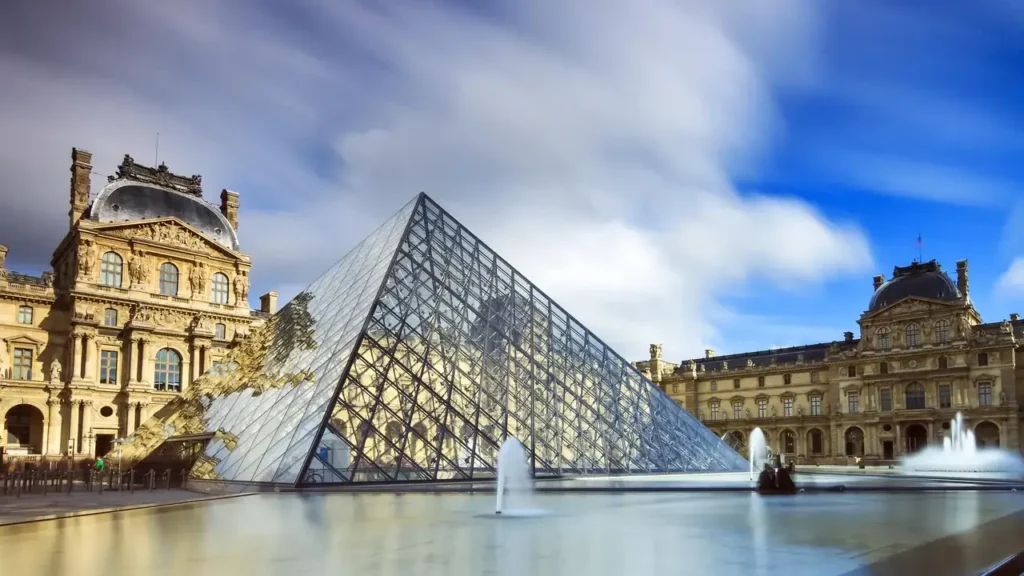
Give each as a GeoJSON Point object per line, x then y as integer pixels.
{"type": "Point", "coordinates": [268, 303]}
{"type": "Point", "coordinates": [229, 206]}
{"type": "Point", "coordinates": [709, 353]}
{"type": "Point", "coordinates": [1013, 317]}
{"type": "Point", "coordinates": [81, 170]}
{"type": "Point", "coordinates": [962, 283]}
{"type": "Point", "coordinates": [879, 280]}
{"type": "Point", "coordinates": [848, 336]}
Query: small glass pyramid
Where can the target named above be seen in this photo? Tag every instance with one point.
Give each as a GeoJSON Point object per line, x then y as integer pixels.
{"type": "Point", "coordinates": [412, 359]}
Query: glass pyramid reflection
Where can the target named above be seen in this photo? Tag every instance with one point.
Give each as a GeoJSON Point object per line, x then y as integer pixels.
{"type": "Point", "coordinates": [413, 358]}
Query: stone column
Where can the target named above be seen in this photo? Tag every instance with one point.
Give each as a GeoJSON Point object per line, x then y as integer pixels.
{"type": "Point", "coordinates": [146, 366]}
{"type": "Point", "coordinates": [73, 425]}
{"type": "Point", "coordinates": [193, 374]}
{"type": "Point", "coordinates": [51, 443]}
{"type": "Point", "coordinates": [76, 358]}
{"type": "Point", "coordinates": [87, 437]}
{"type": "Point", "coordinates": [133, 364]}
{"type": "Point", "coordinates": [140, 414]}
{"type": "Point", "coordinates": [91, 348]}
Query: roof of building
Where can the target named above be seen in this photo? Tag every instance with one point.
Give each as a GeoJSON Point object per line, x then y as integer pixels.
{"type": "Point", "coordinates": [764, 358]}
{"type": "Point", "coordinates": [17, 278]}
{"type": "Point", "coordinates": [922, 280]}
{"type": "Point", "coordinates": [139, 193]}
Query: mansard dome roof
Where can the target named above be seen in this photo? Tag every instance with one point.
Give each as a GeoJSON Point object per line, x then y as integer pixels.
{"type": "Point", "coordinates": [920, 280]}
{"type": "Point", "coordinates": [141, 193]}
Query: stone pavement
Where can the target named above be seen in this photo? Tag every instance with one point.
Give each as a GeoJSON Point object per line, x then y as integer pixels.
{"type": "Point", "coordinates": [80, 502]}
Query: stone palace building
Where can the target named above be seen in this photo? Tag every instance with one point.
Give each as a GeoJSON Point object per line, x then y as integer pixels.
{"type": "Point", "coordinates": [923, 355]}
{"type": "Point", "coordinates": [148, 289]}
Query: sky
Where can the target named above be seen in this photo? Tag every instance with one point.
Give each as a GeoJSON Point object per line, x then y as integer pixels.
{"type": "Point", "coordinates": [702, 174]}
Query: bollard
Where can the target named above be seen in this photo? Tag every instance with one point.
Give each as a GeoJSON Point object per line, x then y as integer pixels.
{"type": "Point", "coordinates": [152, 479]}
{"type": "Point", "coordinates": [46, 482]}
{"type": "Point", "coordinates": [70, 480]}
{"type": "Point", "coordinates": [100, 483]}
{"type": "Point", "coordinates": [184, 476]}
{"type": "Point", "coordinates": [131, 481]}
{"type": "Point", "coordinates": [168, 475]}
{"type": "Point", "coordinates": [89, 480]}
{"type": "Point", "coordinates": [17, 484]}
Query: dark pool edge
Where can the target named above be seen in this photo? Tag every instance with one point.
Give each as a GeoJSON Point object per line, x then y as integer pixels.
{"type": "Point", "coordinates": [110, 510]}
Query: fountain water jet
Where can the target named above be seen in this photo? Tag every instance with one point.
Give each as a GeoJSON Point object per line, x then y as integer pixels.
{"type": "Point", "coordinates": [960, 453]}
{"type": "Point", "coordinates": [758, 452]}
{"type": "Point", "coordinates": [513, 478]}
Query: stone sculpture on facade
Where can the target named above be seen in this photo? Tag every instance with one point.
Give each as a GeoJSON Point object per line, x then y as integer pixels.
{"type": "Point", "coordinates": [86, 259]}
{"type": "Point", "coordinates": [241, 286]}
{"type": "Point", "coordinates": [197, 279]}
{"type": "Point", "coordinates": [138, 271]}
{"type": "Point", "coordinates": [55, 371]}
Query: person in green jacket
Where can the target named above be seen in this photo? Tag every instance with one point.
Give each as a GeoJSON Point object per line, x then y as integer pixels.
{"type": "Point", "coordinates": [99, 464]}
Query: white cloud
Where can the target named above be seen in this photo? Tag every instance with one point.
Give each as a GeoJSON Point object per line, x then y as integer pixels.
{"type": "Point", "coordinates": [590, 143]}
{"type": "Point", "coordinates": [1011, 283]}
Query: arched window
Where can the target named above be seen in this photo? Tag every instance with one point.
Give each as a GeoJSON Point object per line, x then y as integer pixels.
{"type": "Point", "coordinates": [788, 442]}
{"type": "Point", "coordinates": [168, 279]}
{"type": "Point", "coordinates": [854, 442]}
{"type": "Point", "coordinates": [110, 269]}
{"type": "Point", "coordinates": [913, 334]}
{"type": "Point", "coordinates": [24, 314]}
{"type": "Point", "coordinates": [220, 332]}
{"type": "Point", "coordinates": [914, 396]}
{"type": "Point", "coordinates": [882, 338]}
{"type": "Point", "coordinates": [167, 372]}
{"type": "Point", "coordinates": [219, 289]}
{"type": "Point", "coordinates": [942, 331]}
{"type": "Point", "coordinates": [814, 438]}
{"type": "Point", "coordinates": [110, 317]}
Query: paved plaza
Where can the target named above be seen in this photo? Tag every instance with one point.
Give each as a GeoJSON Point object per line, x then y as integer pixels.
{"type": "Point", "coordinates": [30, 507]}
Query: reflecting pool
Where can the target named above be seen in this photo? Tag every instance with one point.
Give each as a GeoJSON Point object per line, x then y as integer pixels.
{"type": "Point", "coordinates": [453, 534]}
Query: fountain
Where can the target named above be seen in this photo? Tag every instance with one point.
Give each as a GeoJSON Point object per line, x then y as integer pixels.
{"type": "Point", "coordinates": [960, 453]}
{"type": "Point", "coordinates": [513, 478]}
{"type": "Point", "coordinates": [758, 452]}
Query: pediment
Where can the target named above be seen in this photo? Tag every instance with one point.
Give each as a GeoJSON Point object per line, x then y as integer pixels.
{"type": "Point", "coordinates": [23, 341]}
{"type": "Point", "coordinates": [168, 231]}
{"type": "Point", "coordinates": [912, 305]}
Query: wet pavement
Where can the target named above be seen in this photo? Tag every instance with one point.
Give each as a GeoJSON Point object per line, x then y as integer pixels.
{"type": "Point", "coordinates": [821, 533]}
{"type": "Point", "coordinates": [30, 506]}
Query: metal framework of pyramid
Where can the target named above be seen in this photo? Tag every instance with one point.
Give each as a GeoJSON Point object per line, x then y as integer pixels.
{"type": "Point", "coordinates": [413, 359]}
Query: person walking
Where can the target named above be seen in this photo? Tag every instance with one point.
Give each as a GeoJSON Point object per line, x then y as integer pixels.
{"type": "Point", "coordinates": [99, 464]}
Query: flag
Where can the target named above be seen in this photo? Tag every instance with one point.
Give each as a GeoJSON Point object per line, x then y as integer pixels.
{"type": "Point", "coordinates": [919, 242]}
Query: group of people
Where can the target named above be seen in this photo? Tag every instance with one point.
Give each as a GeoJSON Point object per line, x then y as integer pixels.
{"type": "Point", "coordinates": [777, 478]}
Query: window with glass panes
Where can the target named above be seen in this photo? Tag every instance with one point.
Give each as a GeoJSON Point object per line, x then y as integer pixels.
{"type": "Point", "coordinates": [787, 406]}
{"type": "Point", "coordinates": [815, 405]}
{"type": "Point", "coordinates": [24, 315]}
{"type": "Point", "coordinates": [885, 399]}
{"type": "Point", "coordinates": [913, 334]}
{"type": "Point", "coordinates": [220, 332]}
{"type": "Point", "coordinates": [985, 394]}
{"type": "Point", "coordinates": [219, 289]}
{"type": "Point", "coordinates": [942, 331]}
{"type": "Point", "coordinates": [111, 266]}
{"type": "Point", "coordinates": [882, 338]}
{"type": "Point", "coordinates": [108, 367]}
{"type": "Point", "coordinates": [110, 317]}
{"type": "Point", "coordinates": [714, 410]}
{"type": "Point", "coordinates": [737, 410]}
{"type": "Point", "coordinates": [22, 369]}
{"type": "Point", "coordinates": [762, 407]}
{"type": "Point", "coordinates": [167, 371]}
{"type": "Point", "coordinates": [853, 402]}
{"type": "Point", "coordinates": [945, 396]}
{"type": "Point", "coordinates": [168, 279]}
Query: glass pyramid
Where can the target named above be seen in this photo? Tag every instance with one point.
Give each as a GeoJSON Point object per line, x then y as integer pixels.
{"type": "Point", "coordinates": [414, 358]}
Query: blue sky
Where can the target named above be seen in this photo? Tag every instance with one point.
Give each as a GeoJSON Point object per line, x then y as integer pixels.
{"type": "Point", "coordinates": [718, 174]}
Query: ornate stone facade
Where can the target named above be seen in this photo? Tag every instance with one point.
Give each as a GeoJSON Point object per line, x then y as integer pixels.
{"type": "Point", "coordinates": [924, 354]}
{"type": "Point", "coordinates": [135, 310]}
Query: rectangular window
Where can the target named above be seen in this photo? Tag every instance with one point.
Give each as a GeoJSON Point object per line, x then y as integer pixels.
{"type": "Point", "coordinates": [714, 411]}
{"type": "Point", "coordinates": [985, 395]}
{"type": "Point", "coordinates": [737, 411]}
{"type": "Point", "coordinates": [787, 407]}
{"type": "Point", "coordinates": [853, 401]}
{"type": "Point", "coordinates": [762, 408]}
{"type": "Point", "coordinates": [22, 364]}
{"type": "Point", "coordinates": [760, 381]}
{"type": "Point", "coordinates": [945, 396]}
{"type": "Point", "coordinates": [110, 317]}
{"type": "Point", "coordinates": [885, 399]}
{"type": "Point", "coordinates": [108, 367]}
{"type": "Point", "coordinates": [814, 377]}
{"type": "Point", "coordinates": [736, 384]}
{"type": "Point", "coordinates": [24, 315]}
{"type": "Point", "coordinates": [815, 405]}
{"type": "Point", "coordinates": [787, 378]}
{"type": "Point", "coordinates": [220, 332]}
{"type": "Point", "coordinates": [982, 359]}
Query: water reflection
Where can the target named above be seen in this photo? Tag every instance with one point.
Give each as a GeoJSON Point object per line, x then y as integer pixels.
{"type": "Point", "coordinates": [459, 534]}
